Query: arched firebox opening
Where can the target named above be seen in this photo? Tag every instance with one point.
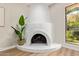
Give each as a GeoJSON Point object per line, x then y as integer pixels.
{"type": "Point", "coordinates": [39, 38]}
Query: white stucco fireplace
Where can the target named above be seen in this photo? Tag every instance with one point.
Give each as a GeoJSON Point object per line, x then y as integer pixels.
{"type": "Point", "coordinates": [39, 33]}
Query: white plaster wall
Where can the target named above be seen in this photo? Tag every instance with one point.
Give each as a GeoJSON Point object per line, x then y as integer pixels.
{"type": "Point", "coordinates": [57, 12]}
{"type": "Point", "coordinates": [12, 13]}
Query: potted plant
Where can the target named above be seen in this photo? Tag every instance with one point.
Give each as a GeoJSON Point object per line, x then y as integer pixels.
{"type": "Point", "coordinates": [19, 30]}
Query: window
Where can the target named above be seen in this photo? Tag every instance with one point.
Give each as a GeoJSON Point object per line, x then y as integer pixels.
{"type": "Point", "coordinates": [72, 24]}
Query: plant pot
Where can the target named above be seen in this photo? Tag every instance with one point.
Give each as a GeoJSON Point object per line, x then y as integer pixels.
{"type": "Point", "coordinates": [21, 42]}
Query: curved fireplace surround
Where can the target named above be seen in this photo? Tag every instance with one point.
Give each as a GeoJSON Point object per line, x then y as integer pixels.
{"type": "Point", "coordinates": [39, 33]}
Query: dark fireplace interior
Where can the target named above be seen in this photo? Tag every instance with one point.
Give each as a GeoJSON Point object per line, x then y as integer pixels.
{"type": "Point", "coordinates": [39, 38]}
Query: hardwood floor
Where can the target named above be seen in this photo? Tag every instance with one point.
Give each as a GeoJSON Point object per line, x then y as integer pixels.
{"type": "Point", "coordinates": [61, 52]}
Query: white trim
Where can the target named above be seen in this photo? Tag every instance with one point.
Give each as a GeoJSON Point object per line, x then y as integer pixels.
{"type": "Point", "coordinates": [10, 47]}
{"type": "Point", "coordinates": [71, 46]}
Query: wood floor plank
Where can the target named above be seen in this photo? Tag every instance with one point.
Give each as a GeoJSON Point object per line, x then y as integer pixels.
{"type": "Point", "coordinates": [68, 52]}
{"type": "Point", "coordinates": [76, 53]}
{"type": "Point", "coordinates": [60, 52]}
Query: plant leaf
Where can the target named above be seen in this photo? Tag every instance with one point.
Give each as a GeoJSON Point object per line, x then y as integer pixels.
{"type": "Point", "coordinates": [22, 29]}
{"type": "Point", "coordinates": [21, 20]}
{"type": "Point", "coordinates": [16, 31]}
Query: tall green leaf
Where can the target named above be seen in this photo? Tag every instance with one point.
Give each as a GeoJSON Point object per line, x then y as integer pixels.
{"type": "Point", "coordinates": [16, 31]}
{"type": "Point", "coordinates": [21, 20]}
{"type": "Point", "coordinates": [22, 29]}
